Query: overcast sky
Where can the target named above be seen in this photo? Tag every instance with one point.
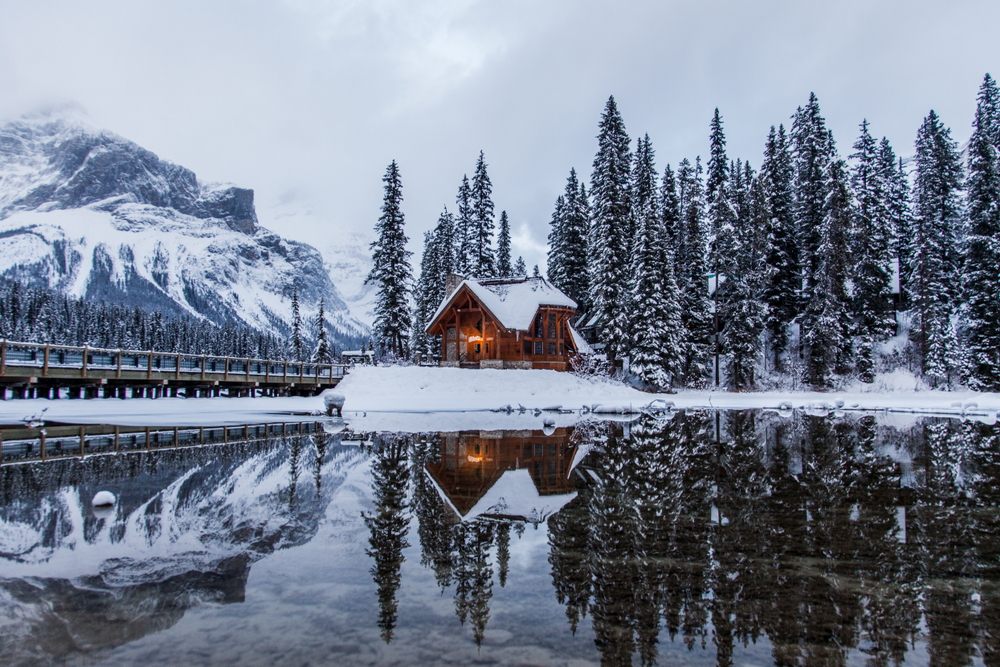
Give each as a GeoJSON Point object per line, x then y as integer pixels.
{"type": "Point", "coordinates": [308, 100]}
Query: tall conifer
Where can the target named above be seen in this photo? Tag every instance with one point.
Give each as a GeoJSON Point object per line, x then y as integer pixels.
{"type": "Point", "coordinates": [785, 283]}
{"type": "Point", "coordinates": [934, 252]}
{"type": "Point", "coordinates": [482, 260]}
{"type": "Point", "coordinates": [391, 271]}
{"type": "Point", "coordinates": [981, 283]}
{"type": "Point", "coordinates": [610, 193]}
{"type": "Point", "coordinates": [692, 273]}
{"type": "Point", "coordinates": [504, 268]}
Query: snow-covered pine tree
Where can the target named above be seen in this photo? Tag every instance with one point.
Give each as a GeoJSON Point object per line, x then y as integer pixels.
{"type": "Point", "coordinates": [933, 251]}
{"type": "Point", "coordinates": [296, 342]}
{"type": "Point", "coordinates": [981, 278]}
{"type": "Point", "coordinates": [781, 296]}
{"type": "Point", "coordinates": [745, 308]}
{"type": "Point", "coordinates": [826, 320]}
{"type": "Point", "coordinates": [692, 272]}
{"type": "Point", "coordinates": [322, 354]}
{"type": "Point", "coordinates": [504, 268]}
{"type": "Point", "coordinates": [656, 353]}
{"type": "Point", "coordinates": [722, 218]}
{"type": "Point", "coordinates": [464, 231]}
{"type": "Point", "coordinates": [423, 295]}
{"type": "Point", "coordinates": [535, 273]}
{"type": "Point", "coordinates": [872, 233]}
{"type": "Point", "coordinates": [483, 261]}
{"type": "Point", "coordinates": [519, 267]}
{"type": "Point", "coordinates": [894, 175]}
{"type": "Point", "coordinates": [609, 234]}
{"type": "Point", "coordinates": [567, 260]}
{"type": "Point", "coordinates": [554, 269]}
{"type": "Point", "coordinates": [670, 210]}
{"type": "Point", "coordinates": [813, 151]}
{"type": "Point", "coordinates": [391, 271]}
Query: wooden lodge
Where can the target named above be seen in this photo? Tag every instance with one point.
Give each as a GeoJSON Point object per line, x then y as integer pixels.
{"type": "Point", "coordinates": [506, 323]}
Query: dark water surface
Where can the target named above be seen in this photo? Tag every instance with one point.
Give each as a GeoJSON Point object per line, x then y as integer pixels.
{"type": "Point", "coordinates": [726, 538]}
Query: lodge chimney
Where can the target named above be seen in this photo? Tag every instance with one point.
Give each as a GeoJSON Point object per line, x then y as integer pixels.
{"type": "Point", "coordinates": [451, 284]}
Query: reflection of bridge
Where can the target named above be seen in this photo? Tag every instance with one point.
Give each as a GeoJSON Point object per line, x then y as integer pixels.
{"type": "Point", "coordinates": [41, 370]}
{"type": "Point", "coordinates": [26, 445]}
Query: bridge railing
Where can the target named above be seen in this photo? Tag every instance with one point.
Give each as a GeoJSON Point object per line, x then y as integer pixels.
{"type": "Point", "coordinates": [48, 359]}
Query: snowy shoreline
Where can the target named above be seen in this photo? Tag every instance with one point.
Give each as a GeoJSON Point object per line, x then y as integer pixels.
{"type": "Point", "coordinates": [421, 398]}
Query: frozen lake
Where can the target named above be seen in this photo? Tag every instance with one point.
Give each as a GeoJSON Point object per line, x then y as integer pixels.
{"type": "Point", "coordinates": [692, 537]}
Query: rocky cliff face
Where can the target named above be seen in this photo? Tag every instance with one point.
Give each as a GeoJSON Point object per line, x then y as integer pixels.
{"type": "Point", "coordinates": [93, 214]}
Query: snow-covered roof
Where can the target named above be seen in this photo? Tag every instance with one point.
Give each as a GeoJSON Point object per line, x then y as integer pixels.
{"type": "Point", "coordinates": [582, 346]}
{"type": "Point", "coordinates": [514, 494]}
{"type": "Point", "coordinates": [513, 302]}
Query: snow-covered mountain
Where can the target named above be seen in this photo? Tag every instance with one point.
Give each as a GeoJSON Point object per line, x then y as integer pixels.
{"type": "Point", "coordinates": [93, 214]}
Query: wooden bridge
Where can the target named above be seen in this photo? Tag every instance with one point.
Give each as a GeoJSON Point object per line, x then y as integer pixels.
{"type": "Point", "coordinates": [41, 370]}
{"type": "Point", "coordinates": [54, 441]}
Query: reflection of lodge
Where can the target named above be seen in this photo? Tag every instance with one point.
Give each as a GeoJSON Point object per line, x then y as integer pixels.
{"type": "Point", "coordinates": [522, 474]}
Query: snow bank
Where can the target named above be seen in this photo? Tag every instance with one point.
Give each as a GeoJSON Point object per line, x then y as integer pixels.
{"type": "Point", "coordinates": [423, 389]}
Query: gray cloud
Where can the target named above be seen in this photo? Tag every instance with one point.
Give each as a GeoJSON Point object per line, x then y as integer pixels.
{"type": "Point", "coordinates": [312, 98]}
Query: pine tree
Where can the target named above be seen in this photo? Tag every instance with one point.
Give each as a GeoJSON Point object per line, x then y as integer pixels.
{"type": "Point", "coordinates": [482, 259]}
{"type": "Point", "coordinates": [503, 247]}
{"type": "Point", "coordinates": [670, 210]}
{"type": "Point", "coordinates": [656, 352]}
{"type": "Point", "coordinates": [519, 268]}
{"type": "Point", "coordinates": [745, 305]}
{"type": "Point", "coordinates": [423, 296]}
{"type": "Point", "coordinates": [391, 270]}
{"type": "Point", "coordinates": [692, 272]}
{"type": "Point", "coordinates": [535, 273]}
{"type": "Point", "coordinates": [894, 175]}
{"type": "Point", "coordinates": [827, 319]}
{"type": "Point", "coordinates": [567, 260]}
{"type": "Point", "coordinates": [296, 341]}
{"type": "Point", "coordinates": [721, 215]}
{"type": "Point", "coordinates": [785, 283]}
{"type": "Point", "coordinates": [933, 253]}
{"type": "Point", "coordinates": [609, 234]}
{"type": "Point", "coordinates": [873, 234]}
{"type": "Point", "coordinates": [464, 229]}
{"type": "Point", "coordinates": [322, 354]}
{"type": "Point", "coordinates": [813, 151]}
{"type": "Point", "coordinates": [981, 279]}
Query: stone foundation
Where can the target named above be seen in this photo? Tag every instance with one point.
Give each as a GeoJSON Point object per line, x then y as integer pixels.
{"type": "Point", "coordinates": [450, 364]}
{"type": "Point", "coordinates": [519, 365]}
{"type": "Point", "coordinates": [490, 363]}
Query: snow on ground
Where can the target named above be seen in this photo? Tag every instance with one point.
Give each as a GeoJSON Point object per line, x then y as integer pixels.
{"type": "Point", "coordinates": [423, 389]}
{"type": "Point", "coordinates": [163, 411]}
{"type": "Point", "coordinates": [420, 399]}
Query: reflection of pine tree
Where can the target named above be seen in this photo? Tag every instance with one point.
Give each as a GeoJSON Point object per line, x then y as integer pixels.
{"type": "Point", "coordinates": [568, 554]}
{"type": "Point", "coordinates": [293, 474]}
{"type": "Point", "coordinates": [481, 534]}
{"type": "Point", "coordinates": [320, 442]}
{"type": "Point", "coordinates": [436, 539]}
{"type": "Point", "coordinates": [503, 550]}
{"type": "Point", "coordinates": [388, 525]}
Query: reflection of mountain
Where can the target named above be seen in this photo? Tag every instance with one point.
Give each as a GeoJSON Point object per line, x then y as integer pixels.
{"type": "Point", "coordinates": [188, 525]}
{"type": "Point", "coordinates": [519, 474]}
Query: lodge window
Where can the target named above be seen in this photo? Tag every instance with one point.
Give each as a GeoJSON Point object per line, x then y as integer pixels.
{"type": "Point", "coordinates": [487, 348]}
{"type": "Point", "coordinates": [538, 348]}
{"type": "Point", "coordinates": [561, 349]}
{"type": "Point", "coordinates": [451, 332]}
{"type": "Point", "coordinates": [479, 325]}
{"type": "Point", "coordinates": [539, 451]}
{"type": "Point", "coordinates": [538, 326]}
{"type": "Point", "coordinates": [552, 348]}
{"type": "Point", "coordinates": [527, 347]}
{"type": "Point", "coordinates": [552, 326]}
{"type": "Point", "coordinates": [477, 348]}
{"type": "Point", "coordinates": [552, 449]}
{"type": "Point", "coordinates": [527, 450]}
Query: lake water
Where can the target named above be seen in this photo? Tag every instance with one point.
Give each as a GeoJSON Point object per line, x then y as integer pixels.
{"type": "Point", "coordinates": [699, 537]}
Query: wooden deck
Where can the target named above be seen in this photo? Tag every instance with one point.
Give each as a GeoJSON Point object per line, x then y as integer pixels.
{"type": "Point", "coordinates": [33, 370]}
